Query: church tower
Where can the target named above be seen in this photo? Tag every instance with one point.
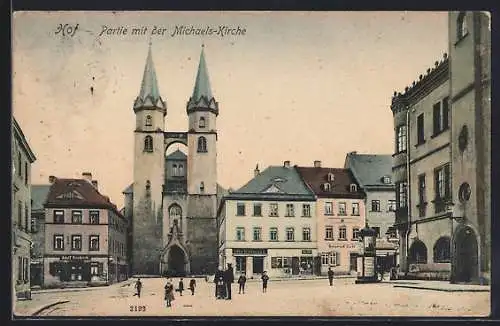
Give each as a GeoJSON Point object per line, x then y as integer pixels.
{"type": "Point", "coordinates": [202, 111]}
{"type": "Point", "coordinates": [149, 160]}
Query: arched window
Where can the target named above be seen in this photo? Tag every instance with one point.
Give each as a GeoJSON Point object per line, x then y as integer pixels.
{"type": "Point", "coordinates": [462, 29]}
{"type": "Point", "coordinates": [174, 170]}
{"type": "Point", "coordinates": [181, 170]}
{"type": "Point", "coordinates": [418, 253]}
{"type": "Point", "coordinates": [202, 145]}
{"type": "Point", "coordinates": [149, 120]}
{"type": "Point", "coordinates": [201, 123]}
{"type": "Point", "coordinates": [326, 187]}
{"type": "Point", "coordinates": [442, 250]}
{"type": "Point", "coordinates": [202, 187]}
{"type": "Point", "coordinates": [148, 144]}
{"type": "Point", "coordinates": [175, 214]}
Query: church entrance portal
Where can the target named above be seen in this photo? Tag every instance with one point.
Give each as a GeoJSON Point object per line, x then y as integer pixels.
{"type": "Point", "coordinates": [176, 262]}
{"type": "Point", "coordinates": [466, 255]}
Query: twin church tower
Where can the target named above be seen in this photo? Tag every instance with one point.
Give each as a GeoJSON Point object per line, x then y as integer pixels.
{"type": "Point", "coordinates": [173, 199]}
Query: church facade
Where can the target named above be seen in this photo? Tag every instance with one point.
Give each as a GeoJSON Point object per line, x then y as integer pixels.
{"type": "Point", "coordinates": [172, 201]}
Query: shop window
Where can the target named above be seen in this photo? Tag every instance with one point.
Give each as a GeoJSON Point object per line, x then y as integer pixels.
{"type": "Point", "coordinates": [241, 264]}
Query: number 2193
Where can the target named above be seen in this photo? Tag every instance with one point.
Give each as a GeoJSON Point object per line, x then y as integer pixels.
{"type": "Point", "coordinates": [138, 308]}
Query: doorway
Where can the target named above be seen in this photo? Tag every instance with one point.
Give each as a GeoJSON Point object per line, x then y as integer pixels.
{"type": "Point", "coordinates": [466, 255]}
{"type": "Point", "coordinates": [295, 265]}
{"type": "Point", "coordinates": [176, 262]}
{"type": "Point", "coordinates": [353, 262]}
{"type": "Point", "coordinates": [258, 265]}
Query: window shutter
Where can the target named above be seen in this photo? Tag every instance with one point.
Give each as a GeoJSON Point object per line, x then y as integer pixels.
{"type": "Point", "coordinates": [436, 184]}
{"type": "Point", "coordinates": [447, 186]}
{"type": "Point", "coordinates": [445, 113]}
{"type": "Point", "coordinates": [436, 118]}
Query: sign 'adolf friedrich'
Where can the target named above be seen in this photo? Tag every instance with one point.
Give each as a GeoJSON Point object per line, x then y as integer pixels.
{"type": "Point", "coordinates": [173, 199]}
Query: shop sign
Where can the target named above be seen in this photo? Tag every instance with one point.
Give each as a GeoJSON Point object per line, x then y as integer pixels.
{"type": "Point", "coordinates": [307, 251]}
{"type": "Point", "coordinates": [71, 257]}
{"type": "Point", "coordinates": [249, 252]}
{"type": "Point", "coordinates": [343, 245]}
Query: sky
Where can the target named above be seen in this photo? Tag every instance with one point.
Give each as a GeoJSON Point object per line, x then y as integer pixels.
{"type": "Point", "coordinates": [297, 86]}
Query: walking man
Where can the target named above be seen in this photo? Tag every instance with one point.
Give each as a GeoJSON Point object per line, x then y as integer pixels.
{"type": "Point", "coordinates": [192, 285]}
{"type": "Point", "coordinates": [138, 287]}
{"type": "Point", "coordinates": [264, 278]}
{"type": "Point", "coordinates": [181, 287]}
{"type": "Point", "coordinates": [228, 280]}
{"type": "Point", "coordinates": [241, 281]}
{"type": "Point", "coordinates": [330, 276]}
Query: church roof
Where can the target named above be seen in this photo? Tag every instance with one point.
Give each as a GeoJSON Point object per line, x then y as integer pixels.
{"type": "Point", "coordinates": [149, 94]}
{"type": "Point", "coordinates": [178, 155]}
{"type": "Point", "coordinates": [370, 169]}
{"type": "Point", "coordinates": [202, 84]}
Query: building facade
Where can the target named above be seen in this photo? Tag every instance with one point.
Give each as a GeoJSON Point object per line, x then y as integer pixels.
{"type": "Point", "coordinates": [269, 225]}
{"type": "Point", "coordinates": [22, 158]}
{"type": "Point", "coordinates": [161, 198]}
{"type": "Point", "coordinates": [374, 175]}
{"type": "Point", "coordinates": [340, 214]}
{"type": "Point", "coordinates": [39, 195]}
{"type": "Point", "coordinates": [85, 235]}
{"type": "Point", "coordinates": [442, 133]}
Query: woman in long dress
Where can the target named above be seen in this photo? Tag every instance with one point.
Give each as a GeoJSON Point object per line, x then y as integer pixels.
{"type": "Point", "coordinates": [169, 293]}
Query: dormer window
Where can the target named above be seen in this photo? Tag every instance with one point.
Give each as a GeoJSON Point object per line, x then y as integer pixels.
{"type": "Point", "coordinates": [202, 122]}
{"type": "Point", "coordinates": [354, 187]}
{"type": "Point", "coordinates": [326, 187]}
{"type": "Point", "coordinates": [462, 29]}
{"type": "Point", "coordinates": [331, 177]}
{"type": "Point", "coordinates": [149, 121]}
{"type": "Point", "coordinates": [386, 179]}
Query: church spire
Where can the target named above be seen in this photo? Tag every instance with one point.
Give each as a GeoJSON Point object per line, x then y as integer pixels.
{"type": "Point", "coordinates": [202, 92]}
{"type": "Point", "coordinates": [149, 95]}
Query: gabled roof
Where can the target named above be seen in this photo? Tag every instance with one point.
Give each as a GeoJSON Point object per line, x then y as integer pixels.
{"type": "Point", "coordinates": [370, 169]}
{"type": "Point", "coordinates": [178, 155]}
{"type": "Point", "coordinates": [316, 177]}
{"type": "Point", "coordinates": [76, 193]}
{"type": "Point", "coordinates": [39, 195]}
{"type": "Point", "coordinates": [149, 94]}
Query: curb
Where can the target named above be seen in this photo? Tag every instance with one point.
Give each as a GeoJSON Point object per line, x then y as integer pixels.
{"type": "Point", "coordinates": [48, 306]}
{"type": "Point", "coordinates": [442, 290]}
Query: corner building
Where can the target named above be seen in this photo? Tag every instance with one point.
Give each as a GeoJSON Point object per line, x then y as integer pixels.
{"type": "Point", "coordinates": [174, 199]}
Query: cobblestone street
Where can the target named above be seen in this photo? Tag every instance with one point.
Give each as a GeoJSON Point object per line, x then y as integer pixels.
{"type": "Point", "coordinates": [284, 298]}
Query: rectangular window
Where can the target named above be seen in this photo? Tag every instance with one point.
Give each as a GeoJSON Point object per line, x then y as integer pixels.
{"type": "Point", "coordinates": [442, 187]}
{"type": "Point", "coordinates": [391, 205]}
{"type": "Point", "coordinates": [273, 234]}
{"type": "Point", "coordinates": [290, 234]}
{"type": "Point", "coordinates": [328, 208]}
{"type": "Point", "coordinates": [290, 210]}
{"type": "Point", "coordinates": [240, 209]}
{"type": "Point", "coordinates": [19, 268]}
{"type": "Point", "coordinates": [257, 209]}
{"type": "Point", "coordinates": [446, 123]}
{"type": "Point", "coordinates": [59, 217]}
{"type": "Point", "coordinates": [342, 233]}
{"type": "Point", "coordinates": [401, 195]}
{"type": "Point", "coordinates": [94, 217]}
{"type": "Point", "coordinates": [94, 243]}
{"type": "Point", "coordinates": [342, 209]}
{"type": "Point", "coordinates": [421, 189]}
{"type": "Point", "coordinates": [58, 242]}
{"type": "Point", "coordinates": [420, 129]}
{"type": "Point", "coordinates": [355, 233]}
{"type": "Point", "coordinates": [26, 176]}
{"type": "Point", "coordinates": [355, 209]}
{"type": "Point", "coordinates": [436, 116]}
{"type": "Point", "coordinates": [306, 210]}
{"type": "Point", "coordinates": [26, 270]}
{"type": "Point", "coordinates": [94, 269]}
{"type": "Point", "coordinates": [34, 225]}
{"type": "Point", "coordinates": [76, 217]}
{"type": "Point", "coordinates": [20, 214]}
{"type": "Point", "coordinates": [329, 233]}
{"type": "Point", "coordinates": [27, 223]}
{"type": "Point", "coordinates": [241, 264]}
{"type": "Point", "coordinates": [257, 234]}
{"type": "Point", "coordinates": [76, 242]}
{"type": "Point", "coordinates": [273, 209]}
{"type": "Point", "coordinates": [401, 139]}
{"type": "Point", "coordinates": [331, 259]}
{"type": "Point", "coordinates": [306, 234]}
{"type": "Point", "coordinates": [240, 234]}
{"type": "Point", "coordinates": [375, 205]}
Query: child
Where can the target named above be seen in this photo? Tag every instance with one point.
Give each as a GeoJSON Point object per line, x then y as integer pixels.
{"type": "Point", "coordinates": [265, 278]}
{"type": "Point", "coordinates": [169, 293]}
{"type": "Point", "coordinates": [241, 281]}
{"type": "Point", "coordinates": [181, 287]}
{"type": "Point", "coordinates": [192, 285]}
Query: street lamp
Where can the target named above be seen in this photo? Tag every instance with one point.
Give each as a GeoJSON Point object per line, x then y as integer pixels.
{"type": "Point", "coordinates": [366, 261]}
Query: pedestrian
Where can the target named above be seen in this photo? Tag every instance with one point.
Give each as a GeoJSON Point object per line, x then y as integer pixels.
{"type": "Point", "coordinates": [169, 293]}
{"type": "Point", "coordinates": [138, 287]}
{"type": "Point", "coordinates": [228, 280]}
{"type": "Point", "coordinates": [192, 285]}
{"type": "Point", "coordinates": [264, 278]}
{"type": "Point", "coordinates": [181, 287]}
{"type": "Point", "coordinates": [220, 291]}
{"type": "Point", "coordinates": [380, 271]}
{"type": "Point", "coordinates": [241, 281]}
{"type": "Point", "coordinates": [330, 276]}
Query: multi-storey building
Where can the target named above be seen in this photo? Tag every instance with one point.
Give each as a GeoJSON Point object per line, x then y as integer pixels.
{"type": "Point", "coordinates": [374, 174]}
{"type": "Point", "coordinates": [441, 163]}
{"type": "Point", "coordinates": [85, 235]}
{"type": "Point", "coordinates": [22, 158]}
{"type": "Point", "coordinates": [269, 225]}
{"type": "Point", "coordinates": [39, 195]}
{"type": "Point", "coordinates": [340, 214]}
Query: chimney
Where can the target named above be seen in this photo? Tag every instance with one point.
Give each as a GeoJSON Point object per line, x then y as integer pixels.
{"type": "Point", "coordinates": [52, 179]}
{"type": "Point", "coordinates": [286, 164]}
{"type": "Point", "coordinates": [317, 164]}
{"type": "Point", "coordinates": [95, 184]}
{"type": "Point", "coordinates": [87, 176]}
{"type": "Point", "coordinates": [256, 172]}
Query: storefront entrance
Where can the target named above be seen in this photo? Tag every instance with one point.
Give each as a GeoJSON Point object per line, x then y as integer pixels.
{"type": "Point", "coordinates": [258, 265]}
{"type": "Point", "coordinates": [353, 262]}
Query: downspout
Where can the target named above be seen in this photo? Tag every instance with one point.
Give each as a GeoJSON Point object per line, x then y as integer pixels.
{"type": "Point", "coordinates": [408, 185]}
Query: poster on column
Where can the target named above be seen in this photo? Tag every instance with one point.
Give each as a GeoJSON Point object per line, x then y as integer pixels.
{"type": "Point", "coordinates": [263, 133]}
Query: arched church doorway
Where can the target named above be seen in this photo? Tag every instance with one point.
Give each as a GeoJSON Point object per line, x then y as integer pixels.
{"type": "Point", "coordinates": [466, 255]}
{"type": "Point", "coordinates": [176, 262]}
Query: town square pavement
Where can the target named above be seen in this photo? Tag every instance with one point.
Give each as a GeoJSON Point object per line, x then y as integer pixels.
{"type": "Point", "coordinates": [284, 298]}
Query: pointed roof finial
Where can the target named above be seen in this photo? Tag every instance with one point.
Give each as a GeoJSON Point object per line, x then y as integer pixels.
{"type": "Point", "coordinates": [202, 84]}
